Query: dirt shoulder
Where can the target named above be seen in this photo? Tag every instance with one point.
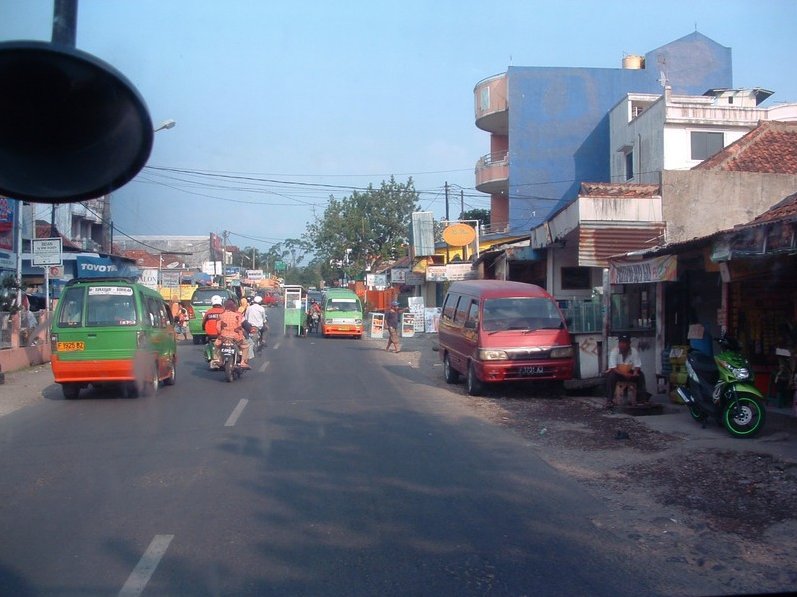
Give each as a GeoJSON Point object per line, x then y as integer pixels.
{"type": "Point", "coordinates": [690, 496]}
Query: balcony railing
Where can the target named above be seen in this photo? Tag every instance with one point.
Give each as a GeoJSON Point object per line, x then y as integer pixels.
{"type": "Point", "coordinates": [492, 172]}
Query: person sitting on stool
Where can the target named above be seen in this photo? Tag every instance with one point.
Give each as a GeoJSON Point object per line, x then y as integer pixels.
{"type": "Point", "coordinates": [624, 354]}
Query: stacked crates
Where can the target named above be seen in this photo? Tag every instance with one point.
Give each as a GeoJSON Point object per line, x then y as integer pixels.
{"type": "Point", "coordinates": [677, 371]}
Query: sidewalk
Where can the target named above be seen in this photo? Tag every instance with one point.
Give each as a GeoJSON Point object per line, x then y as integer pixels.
{"type": "Point", "coordinates": [780, 426]}
{"type": "Point", "coordinates": [24, 387]}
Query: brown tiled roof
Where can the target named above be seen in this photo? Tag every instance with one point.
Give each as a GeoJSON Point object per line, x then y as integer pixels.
{"type": "Point", "coordinates": [770, 147]}
{"type": "Point", "coordinates": [785, 209]}
{"type": "Point", "coordinates": [142, 258]}
{"type": "Point", "coordinates": [609, 189]}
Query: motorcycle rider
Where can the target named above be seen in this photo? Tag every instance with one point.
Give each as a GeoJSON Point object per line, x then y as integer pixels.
{"type": "Point", "coordinates": [625, 354]}
{"type": "Point", "coordinates": [230, 329]}
{"type": "Point", "coordinates": [210, 323]}
{"type": "Point", "coordinates": [313, 309]}
{"type": "Point", "coordinates": [256, 316]}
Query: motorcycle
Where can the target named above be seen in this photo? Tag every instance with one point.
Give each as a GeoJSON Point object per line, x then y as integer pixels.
{"type": "Point", "coordinates": [721, 387]}
{"type": "Point", "coordinates": [231, 357]}
{"type": "Point", "coordinates": [314, 321]}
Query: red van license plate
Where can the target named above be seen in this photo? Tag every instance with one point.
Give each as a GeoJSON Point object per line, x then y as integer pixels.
{"type": "Point", "coordinates": [532, 370]}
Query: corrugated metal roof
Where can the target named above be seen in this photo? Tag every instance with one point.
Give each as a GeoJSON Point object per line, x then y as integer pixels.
{"type": "Point", "coordinates": [597, 242]}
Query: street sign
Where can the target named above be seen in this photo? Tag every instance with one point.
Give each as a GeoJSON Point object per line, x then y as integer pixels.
{"type": "Point", "coordinates": [46, 251]}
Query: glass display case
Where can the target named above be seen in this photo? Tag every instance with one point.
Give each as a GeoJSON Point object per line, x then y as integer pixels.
{"type": "Point", "coordinates": [583, 316]}
{"type": "Point", "coordinates": [633, 308]}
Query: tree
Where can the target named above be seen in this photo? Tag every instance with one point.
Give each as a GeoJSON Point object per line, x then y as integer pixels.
{"type": "Point", "coordinates": [358, 232]}
{"type": "Point", "coordinates": [483, 215]}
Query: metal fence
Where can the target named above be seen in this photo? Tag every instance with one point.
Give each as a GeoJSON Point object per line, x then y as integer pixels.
{"type": "Point", "coordinates": [27, 335]}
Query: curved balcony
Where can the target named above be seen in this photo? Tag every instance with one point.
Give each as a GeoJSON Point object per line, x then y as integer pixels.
{"type": "Point", "coordinates": [491, 106]}
{"type": "Point", "coordinates": [492, 172]}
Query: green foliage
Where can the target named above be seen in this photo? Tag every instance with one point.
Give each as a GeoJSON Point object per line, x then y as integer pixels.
{"type": "Point", "coordinates": [483, 215]}
{"type": "Point", "coordinates": [357, 232]}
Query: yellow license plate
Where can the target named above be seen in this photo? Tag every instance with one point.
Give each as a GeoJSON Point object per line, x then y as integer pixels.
{"type": "Point", "coordinates": [70, 346]}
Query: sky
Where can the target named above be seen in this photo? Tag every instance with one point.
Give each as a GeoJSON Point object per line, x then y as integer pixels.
{"type": "Point", "coordinates": [280, 105]}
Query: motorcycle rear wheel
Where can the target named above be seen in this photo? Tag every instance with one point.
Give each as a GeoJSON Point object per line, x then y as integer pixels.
{"type": "Point", "coordinates": [744, 417]}
{"type": "Point", "coordinates": [228, 369]}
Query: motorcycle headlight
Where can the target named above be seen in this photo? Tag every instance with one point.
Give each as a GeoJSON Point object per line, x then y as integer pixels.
{"type": "Point", "coordinates": [492, 355]}
{"type": "Point", "coordinates": [740, 373]}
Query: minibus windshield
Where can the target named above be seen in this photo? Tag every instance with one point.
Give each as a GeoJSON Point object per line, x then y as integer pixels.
{"type": "Point", "coordinates": [524, 313]}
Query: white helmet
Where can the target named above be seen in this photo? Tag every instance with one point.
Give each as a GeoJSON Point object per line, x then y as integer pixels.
{"type": "Point", "coordinates": [258, 299]}
{"type": "Point", "coordinates": [216, 300]}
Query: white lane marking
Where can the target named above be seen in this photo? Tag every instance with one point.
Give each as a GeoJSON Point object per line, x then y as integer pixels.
{"type": "Point", "coordinates": [277, 345]}
{"type": "Point", "coordinates": [262, 367]}
{"type": "Point", "coordinates": [138, 579]}
{"type": "Point", "coordinates": [236, 412]}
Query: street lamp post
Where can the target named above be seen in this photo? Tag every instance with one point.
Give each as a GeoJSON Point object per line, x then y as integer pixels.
{"type": "Point", "coordinates": [166, 124]}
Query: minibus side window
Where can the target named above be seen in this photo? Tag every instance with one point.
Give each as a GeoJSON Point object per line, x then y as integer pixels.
{"type": "Point", "coordinates": [473, 313]}
{"type": "Point", "coordinates": [449, 308]}
{"type": "Point", "coordinates": [153, 313]}
{"type": "Point", "coordinates": [72, 308]}
{"type": "Point", "coordinates": [461, 311]}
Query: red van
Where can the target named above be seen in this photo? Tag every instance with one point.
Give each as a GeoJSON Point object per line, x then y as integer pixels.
{"type": "Point", "coordinates": [493, 331]}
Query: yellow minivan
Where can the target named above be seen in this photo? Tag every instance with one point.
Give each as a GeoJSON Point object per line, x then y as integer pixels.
{"type": "Point", "coordinates": [112, 331]}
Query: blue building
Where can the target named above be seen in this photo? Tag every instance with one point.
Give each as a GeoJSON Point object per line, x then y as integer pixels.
{"type": "Point", "coordinates": [549, 126]}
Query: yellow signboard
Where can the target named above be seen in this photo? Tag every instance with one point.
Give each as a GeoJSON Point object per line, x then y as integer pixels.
{"type": "Point", "coordinates": [459, 235]}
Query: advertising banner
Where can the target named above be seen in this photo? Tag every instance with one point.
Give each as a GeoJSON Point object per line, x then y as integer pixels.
{"type": "Point", "coordinates": [407, 325]}
{"type": "Point", "coordinates": [9, 210]}
{"type": "Point", "coordinates": [149, 278]}
{"type": "Point", "coordinates": [416, 306]}
{"type": "Point", "coordinates": [377, 325]}
{"type": "Point", "coordinates": [436, 273]}
{"type": "Point", "coordinates": [431, 317]}
{"type": "Point", "coordinates": [103, 267]}
{"type": "Point", "coordinates": [659, 269]}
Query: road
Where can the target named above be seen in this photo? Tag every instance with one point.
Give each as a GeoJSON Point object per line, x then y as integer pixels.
{"type": "Point", "coordinates": [332, 468]}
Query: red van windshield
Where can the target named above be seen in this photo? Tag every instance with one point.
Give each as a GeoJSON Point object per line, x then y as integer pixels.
{"type": "Point", "coordinates": [523, 313]}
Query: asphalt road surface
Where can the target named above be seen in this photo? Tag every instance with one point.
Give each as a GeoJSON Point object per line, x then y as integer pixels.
{"type": "Point", "coordinates": [331, 468]}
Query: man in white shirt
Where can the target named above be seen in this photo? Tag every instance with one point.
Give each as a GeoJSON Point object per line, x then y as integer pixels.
{"type": "Point", "coordinates": [255, 314]}
{"type": "Point", "coordinates": [625, 365]}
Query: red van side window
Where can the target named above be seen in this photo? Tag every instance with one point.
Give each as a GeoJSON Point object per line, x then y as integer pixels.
{"type": "Point", "coordinates": [462, 311]}
{"type": "Point", "coordinates": [449, 308]}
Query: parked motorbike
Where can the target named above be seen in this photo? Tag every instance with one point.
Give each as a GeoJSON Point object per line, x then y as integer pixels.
{"type": "Point", "coordinates": [721, 387]}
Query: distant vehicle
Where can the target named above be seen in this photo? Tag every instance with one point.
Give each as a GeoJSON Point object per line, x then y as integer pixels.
{"type": "Point", "coordinates": [342, 313]}
{"type": "Point", "coordinates": [316, 295]}
{"type": "Point", "coordinates": [200, 303]}
{"type": "Point", "coordinates": [272, 299]}
{"type": "Point", "coordinates": [112, 331]}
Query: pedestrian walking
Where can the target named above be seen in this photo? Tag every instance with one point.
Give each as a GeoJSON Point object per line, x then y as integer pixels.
{"type": "Point", "coordinates": [392, 323]}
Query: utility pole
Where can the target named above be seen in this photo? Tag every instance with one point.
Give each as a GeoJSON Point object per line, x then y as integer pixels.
{"type": "Point", "coordinates": [447, 218]}
{"type": "Point", "coordinates": [461, 204]}
{"type": "Point", "coordinates": [64, 32]}
{"type": "Point", "coordinates": [64, 22]}
{"type": "Point", "coordinates": [224, 235]}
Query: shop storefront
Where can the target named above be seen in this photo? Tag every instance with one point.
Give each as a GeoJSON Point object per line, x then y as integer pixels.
{"type": "Point", "coordinates": [636, 307]}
